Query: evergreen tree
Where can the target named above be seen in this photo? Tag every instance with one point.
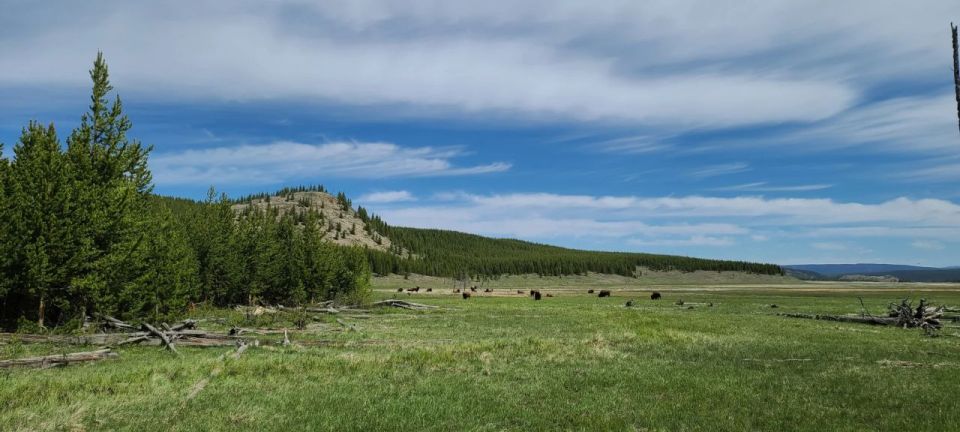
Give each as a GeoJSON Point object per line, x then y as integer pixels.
{"type": "Point", "coordinates": [112, 184]}
{"type": "Point", "coordinates": [40, 244]}
{"type": "Point", "coordinates": [167, 271]}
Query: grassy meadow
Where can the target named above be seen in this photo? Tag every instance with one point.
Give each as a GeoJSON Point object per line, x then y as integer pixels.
{"type": "Point", "coordinates": [502, 361]}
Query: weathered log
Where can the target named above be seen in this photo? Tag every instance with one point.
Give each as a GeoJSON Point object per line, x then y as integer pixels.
{"type": "Point", "coordinates": [240, 350]}
{"type": "Point", "coordinates": [133, 340]}
{"type": "Point", "coordinates": [117, 324]}
{"type": "Point", "coordinates": [184, 325]}
{"type": "Point", "coordinates": [59, 359]}
{"type": "Point", "coordinates": [349, 326]}
{"type": "Point", "coordinates": [403, 304]}
{"type": "Point", "coordinates": [327, 310]}
{"type": "Point", "coordinates": [166, 341]}
{"type": "Point", "coordinates": [844, 318]}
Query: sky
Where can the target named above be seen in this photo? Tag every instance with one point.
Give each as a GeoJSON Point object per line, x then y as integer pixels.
{"type": "Point", "coordinates": [775, 131]}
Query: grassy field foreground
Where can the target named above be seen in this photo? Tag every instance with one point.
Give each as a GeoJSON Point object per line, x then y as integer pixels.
{"type": "Point", "coordinates": [570, 362]}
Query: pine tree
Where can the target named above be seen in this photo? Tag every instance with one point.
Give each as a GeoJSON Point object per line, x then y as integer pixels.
{"type": "Point", "coordinates": [112, 184]}
{"type": "Point", "coordinates": [40, 243]}
{"type": "Point", "coordinates": [167, 274]}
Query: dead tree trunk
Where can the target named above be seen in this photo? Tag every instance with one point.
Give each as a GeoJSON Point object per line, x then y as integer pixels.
{"type": "Point", "coordinates": [163, 338]}
{"type": "Point", "coordinates": [59, 359]}
{"type": "Point", "coordinates": [956, 70]}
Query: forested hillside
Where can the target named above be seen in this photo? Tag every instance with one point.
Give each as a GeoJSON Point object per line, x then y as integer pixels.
{"type": "Point", "coordinates": [455, 254]}
{"type": "Point", "coordinates": [402, 250]}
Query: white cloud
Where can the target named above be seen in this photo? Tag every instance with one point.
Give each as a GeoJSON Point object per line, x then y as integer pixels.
{"type": "Point", "coordinates": [682, 221]}
{"type": "Point", "coordinates": [698, 240]}
{"type": "Point", "coordinates": [829, 246]}
{"type": "Point", "coordinates": [764, 187]}
{"type": "Point", "coordinates": [285, 161]}
{"type": "Point", "coordinates": [928, 245]}
{"type": "Point", "coordinates": [909, 124]}
{"type": "Point", "coordinates": [387, 197]}
{"type": "Point", "coordinates": [806, 211]}
{"type": "Point", "coordinates": [720, 170]}
{"type": "Point", "coordinates": [250, 51]}
{"type": "Point", "coordinates": [631, 145]}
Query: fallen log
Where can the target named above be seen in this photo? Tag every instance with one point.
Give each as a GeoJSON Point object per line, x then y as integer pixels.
{"type": "Point", "coordinates": [166, 341]}
{"type": "Point", "coordinates": [94, 339]}
{"type": "Point", "coordinates": [349, 326]}
{"type": "Point", "coordinates": [403, 304]}
{"type": "Point", "coordinates": [59, 359]}
{"type": "Point", "coordinates": [184, 325]}
{"type": "Point", "coordinates": [240, 350]}
{"type": "Point", "coordinates": [327, 310]}
{"type": "Point", "coordinates": [110, 321]}
{"type": "Point", "coordinates": [844, 318]}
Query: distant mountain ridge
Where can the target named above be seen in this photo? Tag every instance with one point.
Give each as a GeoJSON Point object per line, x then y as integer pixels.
{"type": "Point", "coordinates": [904, 273]}
{"type": "Point", "coordinates": [860, 268]}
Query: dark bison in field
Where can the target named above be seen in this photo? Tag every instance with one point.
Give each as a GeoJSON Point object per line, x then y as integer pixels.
{"type": "Point", "coordinates": [604, 293]}
{"type": "Point", "coordinates": [655, 296]}
{"type": "Point", "coordinates": [589, 291]}
{"type": "Point", "coordinates": [399, 289]}
{"type": "Point", "coordinates": [429, 289]}
{"type": "Point", "coordinates": [536, 295]}
{"type": "Point", "coordinates": [466, 295]}
{"type": "Point", "coordinates": [519, 291]}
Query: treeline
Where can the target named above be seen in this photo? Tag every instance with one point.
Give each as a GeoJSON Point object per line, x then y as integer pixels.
{"type": "Point", "coordinates": [265, 255]}
{"type": "Point", "coordinates": [455, 254]}
{"type": "Point", "coordinates": [82, 234]}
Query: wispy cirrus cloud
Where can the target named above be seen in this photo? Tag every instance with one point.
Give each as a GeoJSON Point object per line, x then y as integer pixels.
{"type": "Point", "coordinates": [286, 161]}
{"type": "Point", "coordinates": [928, 245]}
{"type": "Point", "coordinates": [765, 187]}
{"type": "Point", "coordinates": [387, 197]}
{"type": "Point", "coordinates": [720, 170]}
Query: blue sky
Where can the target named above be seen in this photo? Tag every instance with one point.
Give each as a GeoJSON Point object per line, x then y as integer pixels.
{"type": "Point", "coordinates": [787, 132]}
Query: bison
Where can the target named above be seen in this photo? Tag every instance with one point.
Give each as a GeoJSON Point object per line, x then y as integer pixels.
{"type": "Point", "coordinates": [488, 290]}
{"type": "Point", "coordinates": [399, 289]}
{"type": "Point", "coordinates": [549, 295]}
{"type": "Point", "coordinates": [519, 291]}
{"type": "Point", "coordinates": [604, 293]}
{"type": "Point", "coordinates": [466, 295]}
{"type": "Point", "coordinates": [473, 288]}
{"type": "Point", "coordinates": [429, 289]}
{"type": "Point", "coordinates": [589, 291]}
{"type": "Point", "coordinates": [536, 295]}
{"type": "Point", "coordinates": [655, 296]}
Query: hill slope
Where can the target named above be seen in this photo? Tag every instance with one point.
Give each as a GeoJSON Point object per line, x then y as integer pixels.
{"type": "Point", "coordinates": [451, 253]}
{"type": "Point", "coordinates": [401, 250]}
{"type": "Point", "coordinates": [343, 225]}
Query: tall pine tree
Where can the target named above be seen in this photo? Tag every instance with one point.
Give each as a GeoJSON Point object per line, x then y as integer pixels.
{"type": "Point", "coordinates": [112, 183]}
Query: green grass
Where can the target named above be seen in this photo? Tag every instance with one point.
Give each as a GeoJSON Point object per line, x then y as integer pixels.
{"type": "Point", "coordinates": [571, 362]}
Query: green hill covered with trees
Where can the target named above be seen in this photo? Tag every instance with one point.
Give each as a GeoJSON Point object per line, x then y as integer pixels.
{"type": "Point", "coordinates": [456, 254]}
